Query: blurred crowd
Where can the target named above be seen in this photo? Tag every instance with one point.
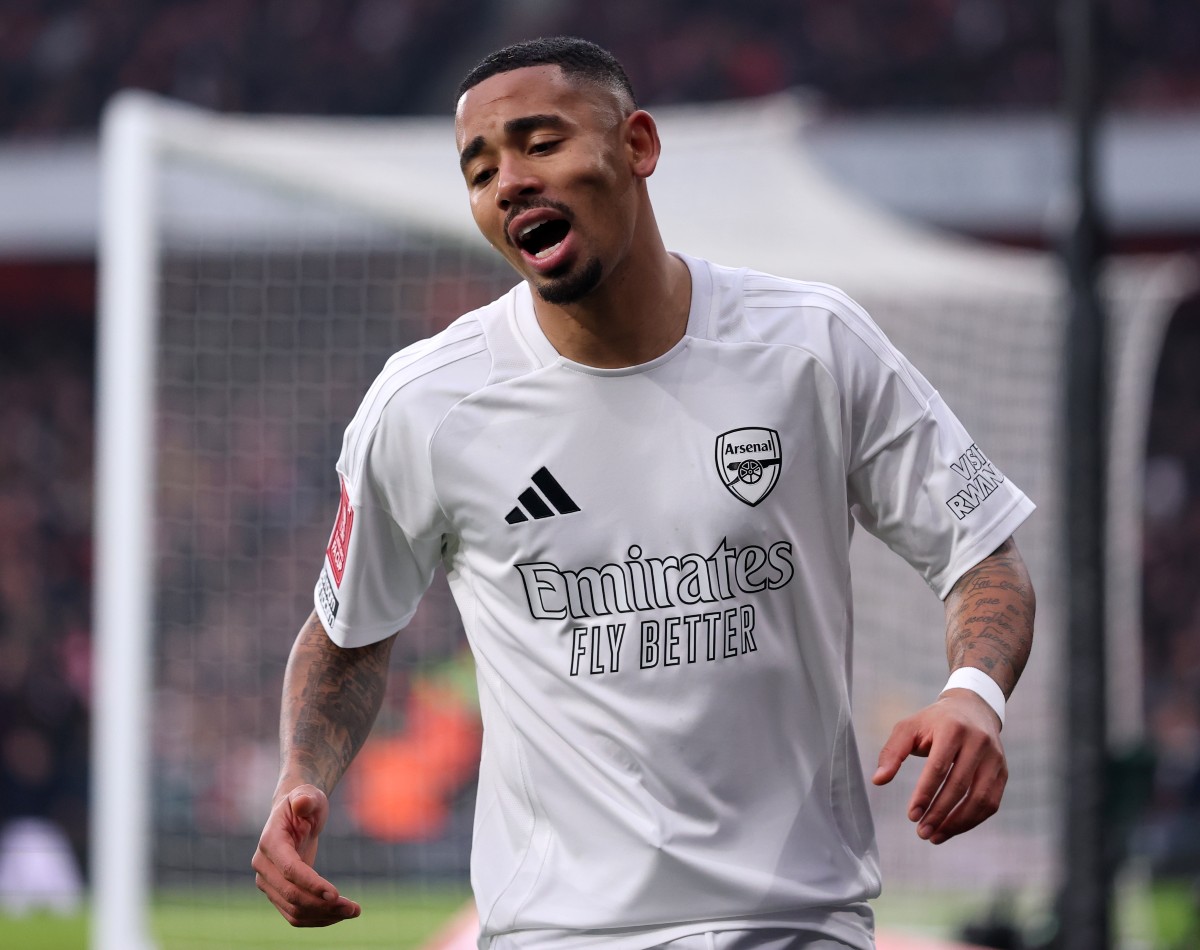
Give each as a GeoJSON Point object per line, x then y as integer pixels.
{"type": "Point", "coordinates": [61, 59]}
{"type": "Point", "coordinates": [45, 574]}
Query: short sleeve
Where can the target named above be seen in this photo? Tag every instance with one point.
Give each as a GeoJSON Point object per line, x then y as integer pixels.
{"type": "Point", "coordinates": [916, 478]}
{"type": "Point", "coordinates": [387, 537]}
{"type": "Point", "coordinates": [374, 574]}
{"type": "Point", "coordinates": [933, 496]}
{"type": "Point", "coordinates": [390, 531]}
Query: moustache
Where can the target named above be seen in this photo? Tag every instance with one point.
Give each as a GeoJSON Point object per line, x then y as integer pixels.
{"type": "Point", "coordinates": [529, 205]}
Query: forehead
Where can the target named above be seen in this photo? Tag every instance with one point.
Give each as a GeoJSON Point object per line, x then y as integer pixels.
{"type": "Point", "coordinates": [531, 90]}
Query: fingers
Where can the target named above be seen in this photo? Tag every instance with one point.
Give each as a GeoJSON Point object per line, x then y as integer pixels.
{"type": "Point", "coordinates": [900, 744]}
{"type": "Point", "coordinates": [960, 786]}
{"type": "Point", "coordinates": [283, 864]}
{"type": "Point", "coordinates": [963, 801]}
{"type": "Point", "coordinates": [303, 897]}
{"type": "Point", "coordinates": [304, 908]}
{"type": "Point", "coordinates": [963, 780]}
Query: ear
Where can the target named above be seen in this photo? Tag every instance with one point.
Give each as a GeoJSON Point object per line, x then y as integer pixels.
{"type": "Point", "coordinates": [642, 143]}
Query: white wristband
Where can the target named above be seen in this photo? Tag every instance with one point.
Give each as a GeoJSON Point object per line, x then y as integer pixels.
{"type": "Point", "coordinates": [977, 681]}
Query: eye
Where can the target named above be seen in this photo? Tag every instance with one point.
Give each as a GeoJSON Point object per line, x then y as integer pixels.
{"type": "Point", "coordinates": [543, 145]}
{"type": "Point", "coordinates": [482, 176]}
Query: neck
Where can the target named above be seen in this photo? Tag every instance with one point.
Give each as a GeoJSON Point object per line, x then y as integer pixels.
{"type": "Point", "coordinates": [638, 312]}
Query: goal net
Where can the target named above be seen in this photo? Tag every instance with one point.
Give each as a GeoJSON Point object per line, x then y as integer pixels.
{"type": "Point", "coordinates": [256, 273]}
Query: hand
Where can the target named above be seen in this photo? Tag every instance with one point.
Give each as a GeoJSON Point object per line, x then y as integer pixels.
{"type": "Point", "coordinates": [284, 859]}
{"type": "Point", "coordinates": [964, 778]}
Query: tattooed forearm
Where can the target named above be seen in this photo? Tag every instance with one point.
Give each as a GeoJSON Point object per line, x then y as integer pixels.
{"type": "Point", "coordinates": [989, 617]}
{"type": "Point", "coordinates": [331, 696]}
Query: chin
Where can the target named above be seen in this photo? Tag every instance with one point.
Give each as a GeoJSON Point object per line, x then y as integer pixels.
{"type": "Point", "coordinates": [573, 285]}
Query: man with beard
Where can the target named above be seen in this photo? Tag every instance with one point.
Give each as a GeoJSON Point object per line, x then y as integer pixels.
{"type": "Point", "coordinates": [638, 469]}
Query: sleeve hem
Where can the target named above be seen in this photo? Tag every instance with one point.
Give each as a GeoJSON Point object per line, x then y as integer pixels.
{"type": "Point", "coordinates": [984, 544]}
{"type": "Point", "coordinates": [350, 637]}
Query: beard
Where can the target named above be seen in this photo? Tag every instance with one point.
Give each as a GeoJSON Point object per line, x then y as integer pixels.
{"type": "Point", "coordinates": [572, 287]}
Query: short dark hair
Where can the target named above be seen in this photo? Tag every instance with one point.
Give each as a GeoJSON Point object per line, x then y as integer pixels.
{"type": "Point", "coordinates": [576, 57]}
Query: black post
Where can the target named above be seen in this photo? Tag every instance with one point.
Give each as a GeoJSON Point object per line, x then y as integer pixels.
{"type": "Point", "coordinates": [1085, 906]}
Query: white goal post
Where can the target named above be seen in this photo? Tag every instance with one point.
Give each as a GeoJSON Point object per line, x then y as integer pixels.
{"type": "Point", "coordinates": [124, 549]}
{"type": "Point", "coordinates": [236, 244]}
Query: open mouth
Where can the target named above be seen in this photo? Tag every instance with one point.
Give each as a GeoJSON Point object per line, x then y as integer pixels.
{"type": "Point", "coordinates": [542, 238]}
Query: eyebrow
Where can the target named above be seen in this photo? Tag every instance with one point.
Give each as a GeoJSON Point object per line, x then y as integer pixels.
{"type": "Point", "coordinates": [518, 126]}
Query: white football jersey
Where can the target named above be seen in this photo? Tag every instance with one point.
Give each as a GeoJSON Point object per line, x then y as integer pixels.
{"type": "Point", "coordinates": [652, 566]}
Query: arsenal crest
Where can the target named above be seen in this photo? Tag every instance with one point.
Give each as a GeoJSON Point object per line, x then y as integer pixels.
{"type": "Point", "coordinates": [748, 461]}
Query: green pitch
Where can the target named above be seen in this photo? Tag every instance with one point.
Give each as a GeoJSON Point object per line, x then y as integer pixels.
{"type": "Point", "coordinates": [228, 920]}
{"type": "Point", "coordinates": [404, 919]}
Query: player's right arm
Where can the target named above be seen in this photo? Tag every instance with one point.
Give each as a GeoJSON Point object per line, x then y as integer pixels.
{"type": "Point", "coordinates": [331, 696]}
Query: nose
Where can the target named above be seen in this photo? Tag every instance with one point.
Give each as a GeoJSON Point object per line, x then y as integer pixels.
{"type": "Point", "coordinates": [515, 180]}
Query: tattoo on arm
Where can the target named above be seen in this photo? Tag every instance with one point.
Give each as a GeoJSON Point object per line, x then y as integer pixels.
{"type": "Point", "coordinates": [331, 697]}
{"type": "Point", "coordinates": [989, 617]}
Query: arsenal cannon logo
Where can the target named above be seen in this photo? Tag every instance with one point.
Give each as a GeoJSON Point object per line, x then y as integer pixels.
{"type": "Point", "coordinates": [748, 462]}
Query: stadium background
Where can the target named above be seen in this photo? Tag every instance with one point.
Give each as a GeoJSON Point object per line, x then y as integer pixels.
{"type": "Point", "coordinates": [879, 74]}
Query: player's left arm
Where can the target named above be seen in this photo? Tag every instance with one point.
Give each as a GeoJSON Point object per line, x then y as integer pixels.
{"type": "Point", "coordinates": [989, 626]}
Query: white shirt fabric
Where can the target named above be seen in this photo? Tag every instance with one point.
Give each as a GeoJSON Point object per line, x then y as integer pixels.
{"type": "Point", "coordinates": [661, 629]}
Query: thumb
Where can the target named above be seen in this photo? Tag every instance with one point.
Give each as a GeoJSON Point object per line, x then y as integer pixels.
{"type": "Point", "coordinates": [304, 803]}
{"type": "Point", "coordinates": [893, 754]}
{"type": "Point", "coordinates": [308, 808]}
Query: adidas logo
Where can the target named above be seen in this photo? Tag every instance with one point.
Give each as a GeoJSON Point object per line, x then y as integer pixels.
{"type": "Point", "coordinates": [553, 499]}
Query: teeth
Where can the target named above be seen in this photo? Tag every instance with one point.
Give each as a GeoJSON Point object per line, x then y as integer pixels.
{"type": "Point", "coordinates": [527, 229]}
{"type": "Point", "coordinates": [547, 251]}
